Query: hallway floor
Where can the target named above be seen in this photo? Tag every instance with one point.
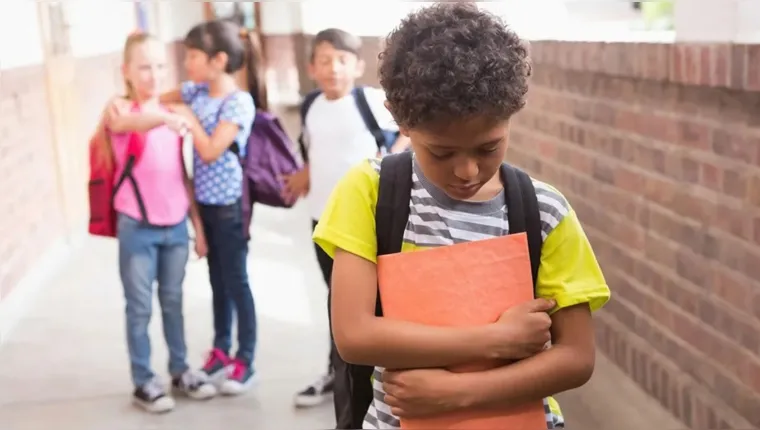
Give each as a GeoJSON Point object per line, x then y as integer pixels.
{"type": "Point", "coordinates": [65, 365]}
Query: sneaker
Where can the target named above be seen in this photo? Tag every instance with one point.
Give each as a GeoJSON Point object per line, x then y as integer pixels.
{"type": "Point", "coordinates": [239, 379]}
{"type": "Point", "coordinates": [153, 398]}
{"type": "Point", "coordinates": [195, 385]}
{"type": "Point", "coordinates": [316, 393]}
{"type": "Point", "coordinates": [217, 364]}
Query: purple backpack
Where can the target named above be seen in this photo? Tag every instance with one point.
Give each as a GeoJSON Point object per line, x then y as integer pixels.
{"type": "Point", "coordinates": [269, 157]}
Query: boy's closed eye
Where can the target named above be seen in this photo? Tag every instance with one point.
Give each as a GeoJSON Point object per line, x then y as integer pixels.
{"type": "Point", "coordinates": [442, 154]}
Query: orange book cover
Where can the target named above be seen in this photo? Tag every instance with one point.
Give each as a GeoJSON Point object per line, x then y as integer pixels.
{"type": "Point", "coordinates": [462, 285]}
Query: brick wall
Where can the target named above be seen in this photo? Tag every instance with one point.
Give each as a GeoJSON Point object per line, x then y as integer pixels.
{"type": "Point", "coordinates": [30, 202]}
{"type": "Point", "coordinates": [657, 147]}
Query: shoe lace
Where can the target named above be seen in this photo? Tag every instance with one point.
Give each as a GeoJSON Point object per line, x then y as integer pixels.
{"type": "Point", "coordinates": [322, 382]}
{"type": "Point", "coordinates": [213, 356]}
{"type": "Point", "coordinates": [238, 370]}
{"type": "Point", "coordinates": [193, 379]}
{"type": "Point", "coordinates": [153, 388]}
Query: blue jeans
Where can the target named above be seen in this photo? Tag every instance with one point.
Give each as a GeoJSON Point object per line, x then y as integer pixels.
{"type": "Point", "coordinates": [228, 273]}
{"type": "Point", "coordinates": [148, 254]}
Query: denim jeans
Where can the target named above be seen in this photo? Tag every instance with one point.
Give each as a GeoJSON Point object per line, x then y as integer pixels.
{"type": "Point", "coordinates": [228, 273]}
{"type": "Point", "coordinates": [148, 254]}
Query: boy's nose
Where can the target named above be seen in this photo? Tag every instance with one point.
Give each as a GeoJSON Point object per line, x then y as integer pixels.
{"type": "Point", "coordinates": [466, 170]}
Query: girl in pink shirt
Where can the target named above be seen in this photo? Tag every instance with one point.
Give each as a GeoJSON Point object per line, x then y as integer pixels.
{"type": "Point", "coordinates": [152, 226]}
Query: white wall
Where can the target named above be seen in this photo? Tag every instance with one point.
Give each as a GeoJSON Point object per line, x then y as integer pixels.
{"type": "Point", "coordinates": [177, 17]}
{"type": "Point", "coordinates": [99, 26]}
{"type": "Point", "coordinates": [20, 36]}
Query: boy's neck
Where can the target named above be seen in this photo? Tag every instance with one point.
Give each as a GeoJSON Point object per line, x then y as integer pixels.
{"type": "Point", "coordinates": [337, 95]}
{"type": "Point", "coordinates": [222, 86]}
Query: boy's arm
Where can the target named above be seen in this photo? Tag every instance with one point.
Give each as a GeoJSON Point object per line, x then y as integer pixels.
{"type": "Point", "coordinates": [568, 364]}
{"type": "Point", "coordinates": [363, 338]}
{"type": "Point", "coordinates": [570, 275]}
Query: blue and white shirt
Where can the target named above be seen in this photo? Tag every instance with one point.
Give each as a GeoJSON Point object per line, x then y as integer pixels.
{"type": "Point", "coordinates": [219, 182]}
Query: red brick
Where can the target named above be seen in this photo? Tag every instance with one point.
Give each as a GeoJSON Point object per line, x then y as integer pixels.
{"type": "Point", "coordinates": [753, 67]}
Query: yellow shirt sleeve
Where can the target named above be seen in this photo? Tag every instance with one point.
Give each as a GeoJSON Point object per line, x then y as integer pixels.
{"type": "Point", "coordinates": [348, 220]}
{"type": "Point", "coordinates": [569, 272]}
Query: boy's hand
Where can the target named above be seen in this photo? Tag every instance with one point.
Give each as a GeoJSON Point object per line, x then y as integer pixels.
{"type": "Point", "coordinates": [421, 392]}
{"type": "Point", "coordinates": [297, 184]}
{"type": "Point", "coordinates": [523, 330]}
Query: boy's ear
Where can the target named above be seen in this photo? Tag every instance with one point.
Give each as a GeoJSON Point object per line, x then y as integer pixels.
{"type": "Point", "coordinates": [311, 70]}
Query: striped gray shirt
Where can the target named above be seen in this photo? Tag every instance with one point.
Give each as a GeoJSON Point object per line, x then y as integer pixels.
{"type": "Point", "coordinates": [435, 219]}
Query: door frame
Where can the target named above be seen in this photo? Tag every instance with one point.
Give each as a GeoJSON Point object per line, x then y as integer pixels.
{"type": "Point", "coordinates": [63, 108]}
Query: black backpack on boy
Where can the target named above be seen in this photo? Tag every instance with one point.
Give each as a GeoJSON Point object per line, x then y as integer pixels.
{"type": "Point", "coordinates": [391, 217]}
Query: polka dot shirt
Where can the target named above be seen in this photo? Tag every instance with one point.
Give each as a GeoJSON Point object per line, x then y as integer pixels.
{"type": "Point", "coordinates": [220, 182]}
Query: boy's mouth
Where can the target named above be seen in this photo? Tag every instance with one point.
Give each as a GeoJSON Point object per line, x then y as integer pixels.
{"type": "Point", "coordinates": [465, 189]}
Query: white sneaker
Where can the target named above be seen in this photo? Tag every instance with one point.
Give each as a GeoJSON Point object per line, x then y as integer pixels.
{"type": "Point", "coordinates": [317, 393]}
{"type": "Point", "coordinates": [195, 385]}
{"type": "Point", "coordinates": [153, 398]}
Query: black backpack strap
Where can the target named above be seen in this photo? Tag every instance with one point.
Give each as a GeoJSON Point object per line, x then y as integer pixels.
{"type": "Point", "coordinates": [393, 195]}
{"type": "Point", "coordinates": [369, 118]}
{"type": "Point", "coordinates": [126, 174]}
{"type": "Point", "coordinates": [391, 216]}
{"type": "Point", "coordinates": [308, 100]}
{"type": "Point", "coordinates": [523, 213]}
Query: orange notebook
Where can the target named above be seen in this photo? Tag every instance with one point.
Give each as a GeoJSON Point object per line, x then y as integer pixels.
{"type": "Point", "coordinates": [462, 285]}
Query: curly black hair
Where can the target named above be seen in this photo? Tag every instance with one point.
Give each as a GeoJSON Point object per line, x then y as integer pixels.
{"type": "Point", "coordinates": [451, 61]}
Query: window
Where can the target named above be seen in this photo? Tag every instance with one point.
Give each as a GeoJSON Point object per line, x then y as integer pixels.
{"type": "Point", "coordinates": [242, 13]}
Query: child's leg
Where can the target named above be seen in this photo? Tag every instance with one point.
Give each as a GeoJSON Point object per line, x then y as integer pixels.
{"type": "Point", "coordinates": [172, 259]}
{"type": "Point", "coordinates": [231, 253]}
{"type": "Point", "coordinates": [172, 262]}
{"type": "Point", "coordinates": [321, 389]}
{"type": "Point", "coordinates": [138, 255]}
{"type": "Point", "coordinates": [222, 304]}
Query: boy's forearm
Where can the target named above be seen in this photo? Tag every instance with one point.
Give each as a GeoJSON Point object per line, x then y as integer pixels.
{"type": "Point", "coordinates": [550, 372]}
{"type": "Point", "coordinates": [139, 122]}
{"type": "Point", "coordinates": [394, 344]}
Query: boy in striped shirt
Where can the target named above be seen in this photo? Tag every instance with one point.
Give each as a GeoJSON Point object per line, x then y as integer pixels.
{"type": "Point", "coordinates": [454, 76]}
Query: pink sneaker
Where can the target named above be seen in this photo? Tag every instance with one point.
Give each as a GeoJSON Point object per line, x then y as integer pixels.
{"type": "Point", "coordinates": [217, 364]}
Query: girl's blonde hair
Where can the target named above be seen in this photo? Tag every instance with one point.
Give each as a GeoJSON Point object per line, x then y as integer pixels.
{"type": "Point", "coordinates": [101, 137]}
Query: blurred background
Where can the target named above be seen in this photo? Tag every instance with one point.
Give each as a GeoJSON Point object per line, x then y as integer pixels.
{"type": "Point", "coordinates": [645, 114]}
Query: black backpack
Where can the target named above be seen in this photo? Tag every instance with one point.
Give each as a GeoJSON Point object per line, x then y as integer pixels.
{"type": "Point", "coordinates": [384, 138]}
{"type": "Point", "coordinates": [391, 217]}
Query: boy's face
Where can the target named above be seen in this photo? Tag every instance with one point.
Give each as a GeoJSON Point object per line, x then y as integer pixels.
{"type": "Point", "coordinates": [335, 71]}
{"type": "Point", "coordinates": [463, 157]}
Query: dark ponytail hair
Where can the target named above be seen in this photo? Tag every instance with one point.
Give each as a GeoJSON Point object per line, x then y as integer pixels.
{"type": "Point", "coordinates": [243, 50]}
{"type": "Point", "coordinates": [255, 70]}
